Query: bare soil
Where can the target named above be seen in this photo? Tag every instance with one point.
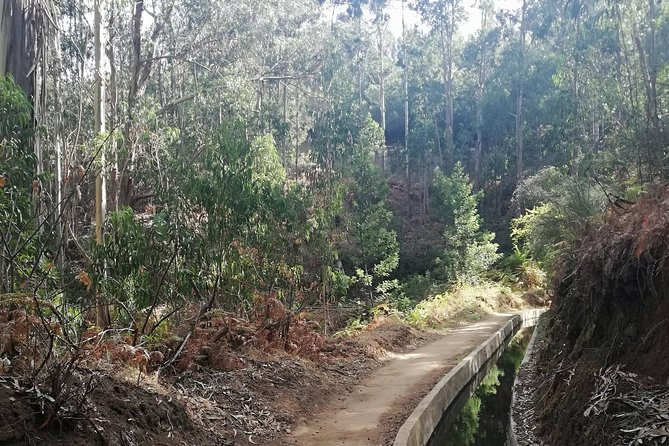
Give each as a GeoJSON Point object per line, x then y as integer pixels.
{"type": "Point", "coordinates": [255, 403]}
{"type": "Point", "coordinates": [270, 380]}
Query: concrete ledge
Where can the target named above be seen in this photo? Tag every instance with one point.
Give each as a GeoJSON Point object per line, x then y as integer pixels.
{"type": "Point", "coordinates": [418, 428]}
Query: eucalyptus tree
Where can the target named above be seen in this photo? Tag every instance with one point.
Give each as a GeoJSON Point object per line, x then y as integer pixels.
{"type": "Point", "coordinates": [520, 124]}
{"type": "Point", "coordinates": [486, 10]}
{"type": "Point", "coordinates": [444, 17]}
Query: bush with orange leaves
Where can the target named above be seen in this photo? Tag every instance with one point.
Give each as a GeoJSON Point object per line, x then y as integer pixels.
{"type": "Point", "coordinates": [45, 353]}
{"type": "Point", "coordinates": [278, 328]}
{"type": "Point", "coordinates": [15, 327]}
{"type": "Point", "coordinates": [219, 339]}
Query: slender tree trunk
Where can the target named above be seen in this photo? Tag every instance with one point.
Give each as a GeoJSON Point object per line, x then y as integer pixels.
{"type": "Point", "coordinates": [59, 138]}
{"type": "Point", "coordinates": [382, 93]}
{"type": "Point", "coordinates": [575, 137]}
{"type": "Point", "coordinates": [297, 130]}
{"type": "Point", "coordinates": [100, 186]}
{"type": "Point", "coordinates": [126, 188]}
{"type": "Point", "coordinates": [139, 74]}
{"type": "Point", "coordinates": [286, 140]}
{"type": "Point", "coordinates": [38, 81]}
{"type": "Point", "coordinates": [360, 60]}
{"type": "Point", "coordinates": [520, 122]}
{"type": "Point", "coordinates": [447, 70]}
{"type": "Point", "coordinates": [405, 82]}
{"type": "Point", "coordinates": [17, 45]}
{"type": "Point", "coordinates": [478, 155]}
{"type": "Point", "coordinates": [645, 70]}
{"type": "Point", "coordinates": [382, 83]}
{"type": "Point", "coordinates": [438, 137]}
{"type": "Point", "coordinates": [113, 114]}
{"type": "Point", "coordinates": [6, 10]}
{"type": "Point", "coordinates": [652, 62]}
{"type": "Point", "coordinates": [655, 129]}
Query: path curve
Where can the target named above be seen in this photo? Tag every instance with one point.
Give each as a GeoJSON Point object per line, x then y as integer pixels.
{"type": "Point", "coordinates": [364, 416]}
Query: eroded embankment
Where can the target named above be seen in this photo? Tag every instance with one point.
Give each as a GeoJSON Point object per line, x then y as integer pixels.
{"type": "Point", "coordinates": [605, 361]}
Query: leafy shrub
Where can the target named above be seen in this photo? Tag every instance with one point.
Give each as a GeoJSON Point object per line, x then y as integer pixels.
{"type": "Point", "coordinates": [470, 251]}
{"type": "Point", "coordinates": [522, 270]}
{"type": "Point", "coordinates": [371, 250]}
{"type": "Point", "coordinates": [561, 212]}
{"type": "Point", "coordinates": [17, 187]}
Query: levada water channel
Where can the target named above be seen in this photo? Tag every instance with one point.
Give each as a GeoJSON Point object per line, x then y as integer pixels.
{"type": "Point", "coordinates": [480, 414]}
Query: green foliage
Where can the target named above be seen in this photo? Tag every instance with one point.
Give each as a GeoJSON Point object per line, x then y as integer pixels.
{"type": "Point", "coordinates": [17, 167]}
{"type": "Point", "coordinates": [230, 226]}
{"type": "Point", "coordinates": [374, 253]}
{"type": "Point", "coordinates": [466, 426]}
{"type": "Point", "coordinates": [528, 231]}
{"type": "Point", "coordinates": [284, 197]}
{"type": "Point", "coordinates": [470, 251]}
{"type": "Point", "coordinates": [563, 207]}
{"type": "Point", "coordinates": [522, 270]}
{"type": "Point", "coordinates": [134, 259]}
{"type": "Point", "coordinates": [539, 188]}
{"type": "Point", "coordinates": [337, 137]}
{"type": "Point", "coordinates": [266, 162]}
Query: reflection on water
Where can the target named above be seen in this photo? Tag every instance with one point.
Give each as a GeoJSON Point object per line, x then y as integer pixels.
{"type": "Point", "coordinates": [483, 418]}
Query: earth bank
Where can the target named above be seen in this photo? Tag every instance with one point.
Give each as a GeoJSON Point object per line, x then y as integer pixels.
{"type": "Point", "coordinates": [604, 363]}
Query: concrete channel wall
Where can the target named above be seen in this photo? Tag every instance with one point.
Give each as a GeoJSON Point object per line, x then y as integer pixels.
{"type": "Point", "coordinates": [418, 428]}
{"type": "Point", "coordinates": [512, 439]}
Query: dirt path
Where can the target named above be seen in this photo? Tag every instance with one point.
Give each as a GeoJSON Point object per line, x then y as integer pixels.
{"type": "Point", "coordinates": [373, 410]}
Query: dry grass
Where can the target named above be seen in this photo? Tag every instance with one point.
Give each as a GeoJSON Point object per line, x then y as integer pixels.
{"type": "Point", "coordinates": [465, 304]}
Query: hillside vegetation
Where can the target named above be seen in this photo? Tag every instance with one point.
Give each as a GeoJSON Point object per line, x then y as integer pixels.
{"type": "Point", "coordinates": [228, 209]}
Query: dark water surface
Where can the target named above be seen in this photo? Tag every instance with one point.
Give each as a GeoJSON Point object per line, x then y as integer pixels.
{"type": "Point", "coordinates": [480, 414]}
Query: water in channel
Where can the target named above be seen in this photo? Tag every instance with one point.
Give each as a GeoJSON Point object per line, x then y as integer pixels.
{"type": "Point", "coordinates": [480, 415]}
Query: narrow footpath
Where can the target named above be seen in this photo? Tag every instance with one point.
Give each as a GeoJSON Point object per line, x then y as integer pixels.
{"type": "Point", "coordinates": [372, 411]}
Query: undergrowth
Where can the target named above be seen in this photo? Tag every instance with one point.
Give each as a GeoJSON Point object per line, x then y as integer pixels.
{"type": "Point", "coordinates": [464, 304]}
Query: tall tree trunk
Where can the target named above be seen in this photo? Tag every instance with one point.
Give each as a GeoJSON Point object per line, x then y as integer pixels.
{"type": "Point", "coordinates": [652, 86]}
{"type": "Point", "coordinates": [438, 137]}
{"type": "Point", "coordinates": [405, 82]}
{"type": "Point", "coordinates": [360, 60]}
{"type": "Point", "coordinates": [520, 123]}
{"type": "Point", "coordinates": [650, 116]}
{"type": "Point", "coordinates": [576, 130]}
{"type": "Point", "coordinates": [652, 61]}
{"type": "Point", "coordinates": [17, 44]}
{"type": "Point", "coordinates": [139, 74]}
{"type": "Point", "coordinates": [478, 153]}
{"type": "Point", "coordinates": [447, 73]}
{"type": "Point", "coordinates": [126, 187]}
{"type": "Point", "coordinates": [99, 111]}
{"type": "Point", "coordinates": [285, 143]}
{"type": "Point", "coordinates": [59, 180]}
{"type": "Point", "coordinates": [7, 9]}
{"type": "Point", "coordinates": [382, 92]}
{"type": "Point", "coordinates": [113, 113]}
{"type": "Point", "coordinates": [297, 130]}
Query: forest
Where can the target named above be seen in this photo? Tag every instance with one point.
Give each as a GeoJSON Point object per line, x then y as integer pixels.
{"type": "Point", "coordinates": [222, 213]}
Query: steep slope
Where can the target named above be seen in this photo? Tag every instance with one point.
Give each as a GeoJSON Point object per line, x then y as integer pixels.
{"type": "Point", "coordinates": [606, 362]}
